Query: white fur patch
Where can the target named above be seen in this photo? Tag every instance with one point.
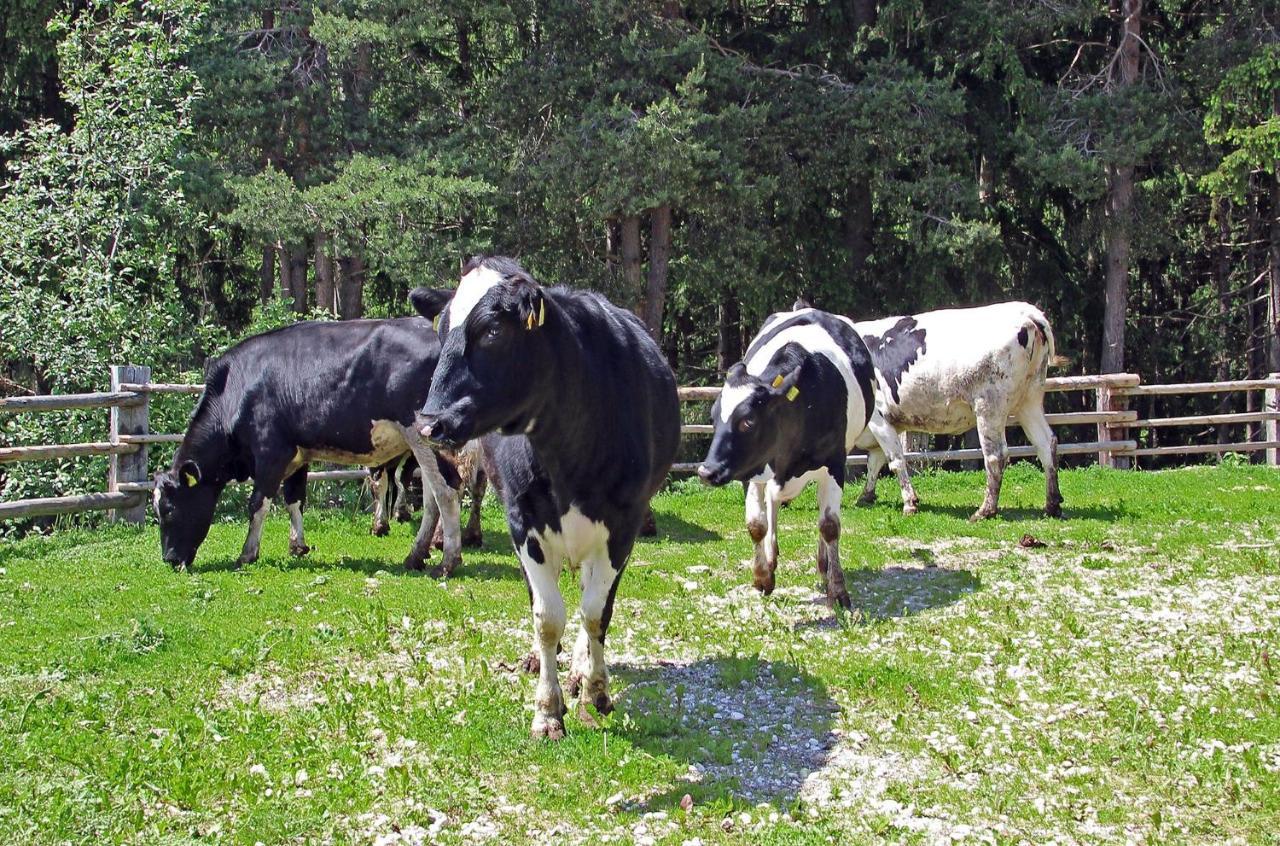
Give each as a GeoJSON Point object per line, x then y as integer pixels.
{"type": "Point", "coordinates": [471, 288]}
{"type": "Point", "coordinates": [815, 339]}
{"type": "Point", "coordinates": [731, 397]}
{"type": "Point", "coordinates": [578, 539]}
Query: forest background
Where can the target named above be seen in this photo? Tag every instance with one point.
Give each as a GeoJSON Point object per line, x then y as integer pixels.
{"type": "Point", "coordinates": [181, 173]}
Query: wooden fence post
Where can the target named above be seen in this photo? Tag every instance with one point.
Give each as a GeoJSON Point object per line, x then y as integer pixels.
{"type": "Point", "coordinates": [1109, 400]}
{"type": "Point", "coordinates": [1271, 428]}
{"type": "Point", "coordinates": [129, 420]}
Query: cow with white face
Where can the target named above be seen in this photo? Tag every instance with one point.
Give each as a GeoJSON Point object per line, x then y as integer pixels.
{"type": "Point", "coordinates": [788, 415]}
{"type": "Point", "coordinates": [589, 422]}
{"type": "Point", "coordinates": [943, 372]}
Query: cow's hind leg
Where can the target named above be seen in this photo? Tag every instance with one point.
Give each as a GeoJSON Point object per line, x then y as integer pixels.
{"type": "Point", "coordinates": [830, 492]}
{"type": "Point", "coordinates": [601, 573]}
{"type": "Point", "coordinates": [379, 478]}
{"type": "Point", "coordinates": [991, 422]}
{"type": "Point", "coordinates": [404, 491]}
{"type": "Point", "coordinates": [543, 579]}
{"type": "Point", "coordinates": [473, 534]}
{"type": "Point", "coordinates": [875, 463]}
{"type": "Point", "coordinates": [1036, 425]}
{"type": "Point", "coordinates": [295, 499]}
{"type": "Point", "coordinates": [762, 525]}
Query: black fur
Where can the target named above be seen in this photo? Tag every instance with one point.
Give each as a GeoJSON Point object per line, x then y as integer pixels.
{"type": "Point", "coordinates": [310, 386]}
{"type": "Point", "coordinates": [586, 401]}
{"type": "Point", "coordinates": [896, 350]}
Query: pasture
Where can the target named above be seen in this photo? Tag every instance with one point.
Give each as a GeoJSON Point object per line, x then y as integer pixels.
{"type": "Point", "coordinates": [1120, 683]}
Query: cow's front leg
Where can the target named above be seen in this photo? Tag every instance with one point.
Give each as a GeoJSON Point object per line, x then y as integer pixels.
{"type": "Point", "coordinates": [589, 677]}
{"type": "Point", "coordinates": [991, 423]}
{"type": "Point", "coordinates": [295, 498]}
{"type": "Point", "coordinates": [875, 463]}
{"type": "Point", "coordinates": [436, 492]}
{"type": "Point", "coordinates": [259, 504]}
{"type": "Point", "coordinates": [830, 493]}
{"type": "Point", "coordinates": [887, 439]}
{"type": "Point", "coordinates": [543, 578]}
{"type": "Point", "coordinates": [762, 525]}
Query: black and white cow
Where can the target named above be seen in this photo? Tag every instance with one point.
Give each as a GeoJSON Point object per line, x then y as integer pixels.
{"type": "Point", "coordinates": [590, 410]}
{"type": "Point", "coordinates": [944, 372]}
{"type": "Point", "coordinates": [788, 414]}
{"type": "Point", "coordinates": [324, 391]}
{"type": "Point", "coordinates": [394, 492]}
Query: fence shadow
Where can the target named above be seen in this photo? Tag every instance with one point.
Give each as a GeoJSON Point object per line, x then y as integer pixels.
{"type": "Point", "coordinates": [754, 730]}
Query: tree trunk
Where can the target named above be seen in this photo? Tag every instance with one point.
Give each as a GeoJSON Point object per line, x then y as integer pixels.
{"type": "Point", "coordinates": [632, 275]}
{"type": "Point", "coordinates": [1222, 284]}
{"type": "Point", "coordinates": [267, 275]}
{"type": "Point", "coordinates": [325, 290]}
{"type": "Point", "coordinates": [659, 256]}
{"type": "Point", "coordinates": [351, 287]}
{"type": "Point", "coordinates": [729, 340]}
{"type": "Point", "coordinates": [298, 277]}
{"type": "Point", "coordinates": [613, 252]}
{"type": "Point", "coordinates": [1273, 301]}
{"type": "Point", "coordinates": [1120, 204]}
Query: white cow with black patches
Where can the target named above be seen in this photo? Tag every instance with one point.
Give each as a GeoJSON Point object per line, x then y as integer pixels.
{"type": "Point", "coordinates": [589, 423]}
{"type": "Point", "coordinates": [947, 371]}
{"type": "Point", "coordinates": [790, 410]}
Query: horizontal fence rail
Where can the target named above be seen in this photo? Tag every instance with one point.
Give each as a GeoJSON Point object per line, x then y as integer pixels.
{"type": "Point", "coordinates": [128, 403]}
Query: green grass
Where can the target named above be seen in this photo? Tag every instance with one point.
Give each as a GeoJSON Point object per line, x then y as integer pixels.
{"type": "Point", "coordinates": [1122, 682]}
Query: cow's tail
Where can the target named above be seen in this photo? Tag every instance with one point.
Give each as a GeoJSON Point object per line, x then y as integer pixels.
{"type": "Point", "coordinates": [1040, 329]}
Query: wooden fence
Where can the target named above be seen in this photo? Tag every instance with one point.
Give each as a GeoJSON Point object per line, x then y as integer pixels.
{"type": "Point", "coordinates": [129, 435]}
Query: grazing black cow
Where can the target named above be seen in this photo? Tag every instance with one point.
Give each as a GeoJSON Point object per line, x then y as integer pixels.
{"type": "Point", "coordinates": [324, 391]}
{"type": "Point", "coordinates": [590, 407]}
{"type": "Point", "coordinates": [789, 413]}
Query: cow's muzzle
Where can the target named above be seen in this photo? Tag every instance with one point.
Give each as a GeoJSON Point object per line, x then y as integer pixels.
{"type": "Point", "coordinates": [439, 430]}
{"type": "Point", "coordinates": [714, 474]}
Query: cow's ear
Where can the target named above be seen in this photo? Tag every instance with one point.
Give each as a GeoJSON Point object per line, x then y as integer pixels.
{"type": "Point", "coordinates": [800, 303]}
{"type": "Point", "coordinates": [788, 365]}
{"type": "Point", "coordinates": [189, 474]}
{"type": "Point", "coordinates": [429, 302]}
{"type": "Point", "coordinates": [531, 303]}
{"type": "Point", "coordinates": [736, 373]}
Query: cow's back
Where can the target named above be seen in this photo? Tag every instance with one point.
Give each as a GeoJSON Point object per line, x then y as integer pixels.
{"type": "Point", "coordinates": [323, 382]}
{"type": "Point", "coordinates": [932, 367]}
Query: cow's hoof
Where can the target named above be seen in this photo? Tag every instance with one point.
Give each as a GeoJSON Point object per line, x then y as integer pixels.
{"type": "Point", "coordinates": [765, 585]}
{"type": "Point", "coordinates": [1053, 510]}
{"type": "Point", "coordinates": [416, 563]}
{"type": "Point", "coordinates": [473, 540]}
{"type": "Point", "coordinates": [982, 514]}
{"type": "Point", "coordinates": [649, 528]}
{"type": "Point", "coordinates": [867, 498]}
{"type": "Point", "coordinates": [380, 529]}
{"type": "Point", "coordinates": [530, 664]}
{"type": "Point", "coordinates": [841, 598]}
{"type": "Point", "coordinates": [298, 549]}
{"type": "Point", "coordinates": [547, 728]}
{"type": "Point", "coordinates": [573, 684]}
{"type": "Point", "coordinates": [404, 515]}
{"type": "Point", "coordinates": [910, 507]}
{"type": "Point", "coordinates": [446, 568]}
{"type": "Point", "coordinates": [603, 703]}
{"type": "Point", "coordinates": [246, 559]}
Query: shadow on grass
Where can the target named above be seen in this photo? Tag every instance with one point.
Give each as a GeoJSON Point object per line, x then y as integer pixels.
{"type": "Point", "coordinates": [754, 730]}
{"type": "Point", "coordinates": [471, 568]}
{"type": "Point", "coordinates": [674, 528]}
{"type": "Point", "coordinates": [897, 591]}
{"type": "Point", "coordinates": [1016, 515]}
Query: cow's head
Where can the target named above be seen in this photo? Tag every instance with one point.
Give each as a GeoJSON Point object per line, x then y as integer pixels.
{"type": "Point", "coordinates": [753, 417]}
{"type": "Point", "coordinates": [184, 501]}
{"type": "Point", "coordinates": [495, 368]}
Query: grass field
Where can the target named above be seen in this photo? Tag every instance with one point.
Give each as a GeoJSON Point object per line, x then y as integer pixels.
{"type": "Point", "coordinates": [1120, 683]}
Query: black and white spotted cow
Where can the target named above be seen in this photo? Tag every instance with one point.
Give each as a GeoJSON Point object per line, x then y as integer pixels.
{"type": "Point", "coordinates": [589, 410]}
{"type": "Point", "coordinates": [788, 414]}
{"type": "Point", "coordinates": [394, 492]}
{"type": "Point", "coordinates": [944, 372]}
{"type": "Point", "coordinates": [344, 392]}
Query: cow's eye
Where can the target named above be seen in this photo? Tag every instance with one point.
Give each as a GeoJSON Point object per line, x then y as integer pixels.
{"type": "Point", "coordinates": [493, 333]}
{"type": "Point", "coordinates": [746, 424]}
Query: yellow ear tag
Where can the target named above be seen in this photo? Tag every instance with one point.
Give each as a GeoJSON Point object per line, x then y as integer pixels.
{"type": "Point", "coordinates": [528, 324]}
{"type": "Point", "coordinates": [778, 380]}
{"type": "Point", "coordinates": [190, 479]}
{"type": "Point", "coordinates": [542, 311]}
{"type": "Point", "coordinates": [793, 393]}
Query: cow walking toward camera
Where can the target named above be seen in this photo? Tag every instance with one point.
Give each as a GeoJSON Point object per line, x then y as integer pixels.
{"type": "Point", "coordinates": [591, 422]}
{"type": "Point", "coordinates": [945, 372]}
{"type": "Point", "coordinates": [788, 414]}
{"type": "Point", "coordinates": [344, 392]}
